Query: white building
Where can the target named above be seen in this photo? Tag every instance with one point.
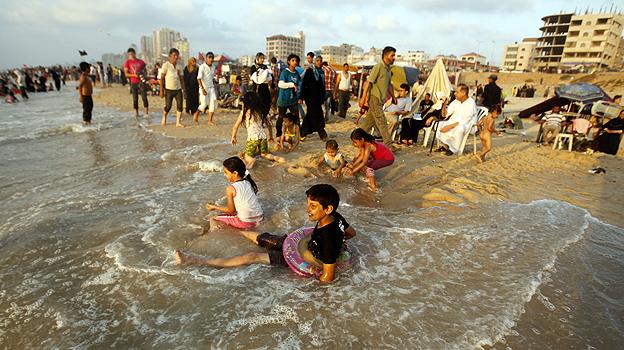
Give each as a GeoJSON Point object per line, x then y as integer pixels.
{"type": "Point", "coordinates": [163, 40]}
{"type": "Point", "coordinates": [147, 49]}
{"type": "Point", "coordinates": [340, 54]}
{"type": "Point", "coordinates": [519, 56]}
{"type": "Point", "coordinates": [182, 45]}
{"type": "Point", "coordinates": [473, 57]}
{"type": "Point", "coordinates": [246, 60]}
{"type": "Point", "coordinates": [280, 46]}
{"type": "Point", "coordinates": [415, 57]}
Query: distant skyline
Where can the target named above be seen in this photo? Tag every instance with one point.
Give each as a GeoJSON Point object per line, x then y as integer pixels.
{"type": "Point", "coordinates": [39, 32]}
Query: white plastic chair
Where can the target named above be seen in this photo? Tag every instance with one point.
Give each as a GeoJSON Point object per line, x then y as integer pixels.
{"type": "Point", "coordinates": [580, 127]}
{"type": "Point", "coordinates": [481, 113]}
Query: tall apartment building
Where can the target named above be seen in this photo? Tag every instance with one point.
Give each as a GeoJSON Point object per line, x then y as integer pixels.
{"type": "Point", "coordinates": [550, 44]}
{"type": "Point", "coordinates": [182, 45]}
{"type": "Point", "coordinates": [147, 49]}
{"type": "Point", "coordinates": [163, 40]}
{"type": "Point", "coordinates": [593, 40]}
{"type": "Point", "coordinates": [519, 56]}
{"type": "Point", "coordinates": [280, 46]}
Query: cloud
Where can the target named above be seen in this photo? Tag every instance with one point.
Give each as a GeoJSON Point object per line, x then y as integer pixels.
{"type": "Point", "coordinates": [353, 20]}
{"type": "Point", "coordinates": [386, 22]}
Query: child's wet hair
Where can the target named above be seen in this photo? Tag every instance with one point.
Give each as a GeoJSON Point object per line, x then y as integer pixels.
{"type": "Point", "coordinates": [325, 194]}
{"type": "Point", "coordinates": [359, 134]}
{"type": "Point", "coordinates": [331, 144]}
{"type": "Point", "coordinates": [84, 66]}
{"type": "Point", "coordinates": [495, 109]}
{"type": "Point", "coordinates": [235, 164]}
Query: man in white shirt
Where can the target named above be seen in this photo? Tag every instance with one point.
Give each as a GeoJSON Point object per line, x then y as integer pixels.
{"type": "Point", "coordinates": [171, 87]}
{"type": "Point", "coordinates": [461, 112]}
{"type": "Point", "coordinates": [402, 107]}
{"type": "Point", "coordinates": [207, 93]}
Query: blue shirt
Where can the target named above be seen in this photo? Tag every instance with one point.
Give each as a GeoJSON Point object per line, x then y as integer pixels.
{"type": "Point", "coordinates": [288, 97]}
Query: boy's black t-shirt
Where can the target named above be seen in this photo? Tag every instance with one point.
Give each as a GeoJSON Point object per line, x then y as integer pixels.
{"type": "Point", "coordinates": [326, 242]}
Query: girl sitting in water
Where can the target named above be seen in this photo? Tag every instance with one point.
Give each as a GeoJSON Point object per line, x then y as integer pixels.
{"type": "Point", "coordinates": [243, 210]}
{"type": "Point", "coordinates": [373, 155]}
{"type": "Point", "coordinates": [256, 121]}
{"type": "Point", "coordinates": [290, 133]}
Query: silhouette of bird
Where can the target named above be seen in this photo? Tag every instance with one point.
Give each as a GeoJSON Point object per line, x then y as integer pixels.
{"type": "Point", "coordinates": [82, 53]}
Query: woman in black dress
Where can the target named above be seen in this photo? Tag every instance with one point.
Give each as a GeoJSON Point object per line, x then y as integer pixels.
{"type": "Point", "coordinates": [260, 82]}
{"type": "Point", "coordinates": [313, 93]}
{"type": "Point", "coordinates": [191, 87]}
{"type": "Point", "coordinates": [609, 140]}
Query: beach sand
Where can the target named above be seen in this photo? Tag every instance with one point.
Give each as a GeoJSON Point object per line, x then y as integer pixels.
{"type": "Point", "coordinates": [516, 170]}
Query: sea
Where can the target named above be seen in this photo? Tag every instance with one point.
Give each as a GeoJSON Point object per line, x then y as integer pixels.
{"type": "Point", "coordinates": [91, 215]}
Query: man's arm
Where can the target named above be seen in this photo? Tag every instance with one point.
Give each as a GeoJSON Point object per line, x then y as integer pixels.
{"type": "Point", "coordinates": [350, 232]}
{"type": "Point", "coordinates": [162, 82]}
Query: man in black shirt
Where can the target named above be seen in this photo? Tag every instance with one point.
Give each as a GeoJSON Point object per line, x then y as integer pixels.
{"type": "Point", "coordinates": [324, 245]}
{"type": "Point", "coordinates": [492, 93]}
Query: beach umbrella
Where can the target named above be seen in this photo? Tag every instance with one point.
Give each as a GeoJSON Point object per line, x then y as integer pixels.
{"type": "Point", "coordinates": [438, 80]}
{"type": "Point", "coordinates": [402, 75]}
{"type": "Point", "coordinates": [581, 92]}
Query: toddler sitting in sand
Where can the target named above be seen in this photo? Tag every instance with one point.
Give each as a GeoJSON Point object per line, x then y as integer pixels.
{"type": "Point", "coordinates": [255, 121]}
{"type": "Point", "coordinates": [290, 133]}
{"type": "Point", "coordinates": [486, 128]}
{"type": "Point", "coordinates": [332, 158]}
{"type": "Point", "coordinates": [243, 210]}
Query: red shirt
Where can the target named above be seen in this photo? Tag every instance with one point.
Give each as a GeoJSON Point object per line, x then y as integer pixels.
{"type": "Point", "coordinates": [134, 66]}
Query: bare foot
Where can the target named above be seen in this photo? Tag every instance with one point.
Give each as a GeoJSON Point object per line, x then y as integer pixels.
{"type": "Point", "coordinates": [178, 125]}
{"type": "Point", "coordinates": [211, 123]}
{"type": "Point", "coordinates": [180, 257]}
{"type": "Point", "coordinates": [479, 158]}
{"type": "Point", "coordinates": [163, 122]}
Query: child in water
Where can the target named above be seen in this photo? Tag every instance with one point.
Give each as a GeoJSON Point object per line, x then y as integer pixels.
{"type": "Point", "coordinates": [332, 158]}
{"type": "Point", "coordinates": [373, 155]}
{"type": "Point", "coordinates": [486, 128]}
{"type": "Point", "coordinates": [256, 121]}
{"type": "Point", "coordinates": [323, 247]}
{"type": "Point", "coordinates": [243, 210]}
{"type": "Point", "coordinates": [290, 133]}
{"type": "Point", "coordinates": [85, 88]}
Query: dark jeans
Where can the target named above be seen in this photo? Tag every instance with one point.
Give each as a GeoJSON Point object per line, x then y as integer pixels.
{"type": "Point", "coordinates": [343, 103]}
{"type": "Point", "coordinates": [169, 96]}
{"type": "Point", "coordinates": [87, 108]}
{"type": "Point", "coordinates": [138, 88]}
{"type": "Point", "coordinates": [281, 111]}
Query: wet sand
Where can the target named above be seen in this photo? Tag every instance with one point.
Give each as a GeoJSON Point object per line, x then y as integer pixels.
{"type": "Point", "coordinates": [516, 170]}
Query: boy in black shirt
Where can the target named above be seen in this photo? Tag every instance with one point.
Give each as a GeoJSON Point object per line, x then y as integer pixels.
{"type": "Point", "coordinates": [323, 247]}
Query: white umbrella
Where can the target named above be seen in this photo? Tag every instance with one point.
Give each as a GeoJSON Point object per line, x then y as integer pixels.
{"type": "Point", "coordinates": [437, 81]}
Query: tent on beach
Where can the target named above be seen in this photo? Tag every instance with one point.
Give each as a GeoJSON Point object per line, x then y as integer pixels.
{"type": "Point", "coordinates": [438, 80]}
{"type": "Point", "coordinates": [584, 93]}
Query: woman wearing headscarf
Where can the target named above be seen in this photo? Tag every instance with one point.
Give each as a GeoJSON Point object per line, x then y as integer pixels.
{"type": "Point", "coordinates": [260, 79]}
{"type": "Point", "coordinates": [609, 139]}
{"type": "Point", "coordinates": [192, 88]}
{"type": "Point", "coordinates": [410, 127]}
{"type": "Point", "coordinates": [313, 93]}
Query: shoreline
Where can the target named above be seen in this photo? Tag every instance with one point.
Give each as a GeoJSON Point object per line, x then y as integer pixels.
{"type": "Point", "coordinates": [517, 169]}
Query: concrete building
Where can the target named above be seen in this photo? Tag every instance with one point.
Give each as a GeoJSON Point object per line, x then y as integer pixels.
{"type": "Point", "coordinates": [619, 57]}
{"type": "Point", "coordinates": [114, 59]}
{"type": "Point", "coordinates": [246, 60]}
{"type": "Point", "coordinates": [549, 47]}
{"type": "Point", "coordinates": [280, 46]}
{"type": "Point", "coordinates": [182, 45]}
{"type": "Point", "coordinates": [416, 57]}
{"type": "Point", "coordinates": [593, 40]}
{"type": "Point", "coordinates": [339, 54]}
{"type": "Point", "coordinates": [473, 58]}
{"type": "Point", "coordinates": [147, 49]}
{"type": "Point", "coordinates": [519, 56]}
{"type": "Point", "coordinates": [163, 40]}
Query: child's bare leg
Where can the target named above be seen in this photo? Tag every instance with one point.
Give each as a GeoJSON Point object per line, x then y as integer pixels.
{"type": "Point", "coordinates": [246, 259]}
{"type": "Point", "coordinates": [250, 235]}
{"type": "Point", "coordinates": [487, 145]}
{"type": "Point", "coordinates": [249, 161]}
{"type": "Point", "coordinates": [269, 156]}
{"type": "Point", "coordinates": [372, 183]}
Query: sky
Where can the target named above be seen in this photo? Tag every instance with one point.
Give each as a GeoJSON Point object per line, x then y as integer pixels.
{"type": "Point", "coordinates": [46, 32]}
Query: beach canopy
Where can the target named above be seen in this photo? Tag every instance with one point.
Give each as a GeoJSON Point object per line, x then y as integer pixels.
{"type": "Point", "coordinates": [438, 80]}
{"type": "Point", "coordinates": [581, 92]}
{"type": "Point", "coordinates": [402, 75]}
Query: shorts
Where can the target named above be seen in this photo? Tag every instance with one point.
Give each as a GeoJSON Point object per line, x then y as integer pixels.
{"type": "Point", "coordinates": [169, 96]}
{"type": "Point", "coordinates": [256, 147]}
{"type": "Point", "coordinates": [87, 108]}
{"type": "Point", "coordinates": [234, 221]}
{"type": "Point", "coordinates": [374, 164]}
{"type": "Point", "coordinates": [273, 244]}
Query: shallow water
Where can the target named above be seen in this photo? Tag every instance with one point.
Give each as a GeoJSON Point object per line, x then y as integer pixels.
{"type": "Point", "coordinates": [90, 217]}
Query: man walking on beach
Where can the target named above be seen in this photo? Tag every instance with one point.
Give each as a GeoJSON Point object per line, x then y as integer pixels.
{"type": "Point", "coordinates": [132, 68]}
{"type": "Point", "coordinates": [330, 83]}
{"type": "Point", "coordinates": [171, 87]}
{"type": "Point", "coordinates": [207, 93]}
{"type": "Point", "coordinates": [376, 88]}
{"type": "Point", "coordinates": [492, 93]}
